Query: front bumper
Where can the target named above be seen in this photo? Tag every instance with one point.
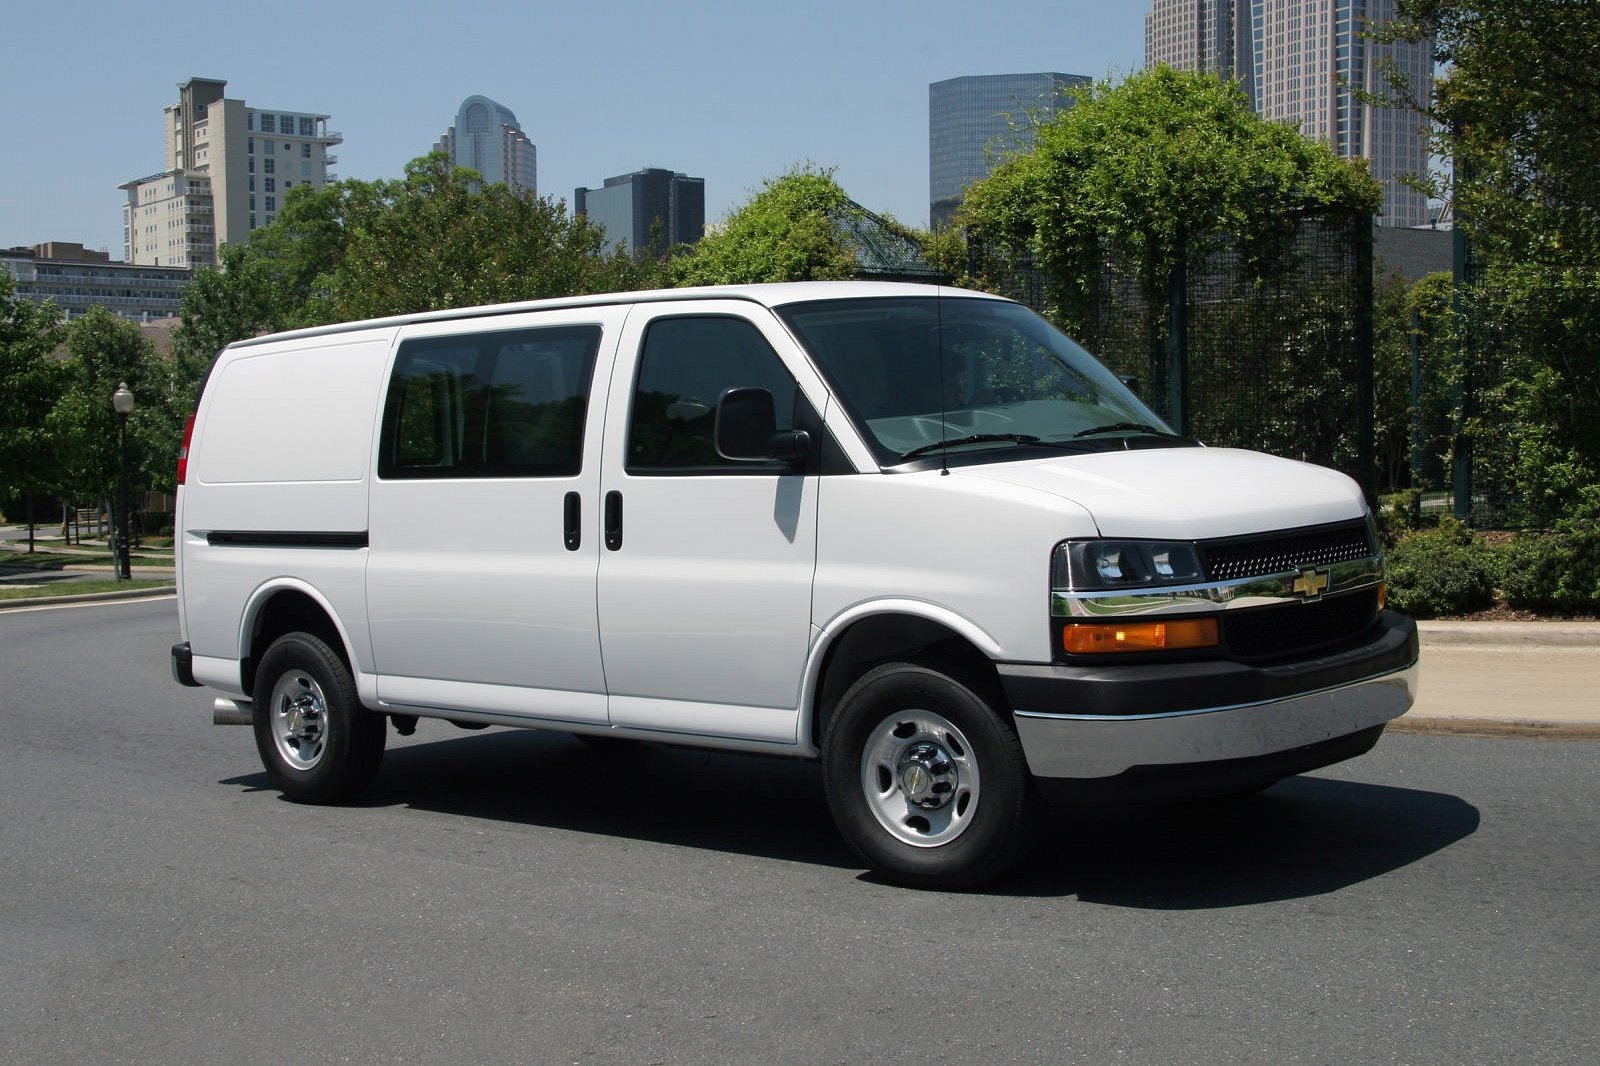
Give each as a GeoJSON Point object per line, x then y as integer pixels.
{"type": "Point", "coordinates": [1099, 722]}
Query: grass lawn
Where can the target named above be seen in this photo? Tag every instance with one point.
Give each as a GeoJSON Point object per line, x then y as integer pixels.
{"type": "Point", "coordinates": [75, 588]}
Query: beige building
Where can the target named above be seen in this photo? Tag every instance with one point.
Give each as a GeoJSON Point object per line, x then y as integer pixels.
{"type": "Point", "coordinates": [229, 167]}
{"type": "Point", "coordinates": [1301, 61]}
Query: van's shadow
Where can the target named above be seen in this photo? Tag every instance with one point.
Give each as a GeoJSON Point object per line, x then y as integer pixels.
{"type": "Point", "coordinates": [1306, 836]}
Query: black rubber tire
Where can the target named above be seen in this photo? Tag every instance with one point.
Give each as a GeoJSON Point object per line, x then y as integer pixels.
{"type": "Point", "coordinates": [1006, 805]}
{"type": "Point", "coordinates": [353, 736]}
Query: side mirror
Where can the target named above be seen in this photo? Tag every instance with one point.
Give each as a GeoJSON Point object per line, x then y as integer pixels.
{"type": "Point", "coordinates": [746, 429]}
{"type": "Point", "coordinates": [1131, 381]}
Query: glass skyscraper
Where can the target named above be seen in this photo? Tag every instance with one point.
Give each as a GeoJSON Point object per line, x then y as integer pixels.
{"type": "Point", "coordinates": [1299, 61]}
{"type": "Point", "coordinates": [488, 139]}
{"type": "Point", "coordinates": [976, 121]}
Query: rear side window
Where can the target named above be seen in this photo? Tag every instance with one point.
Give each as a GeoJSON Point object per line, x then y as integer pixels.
{"type": "Point", "coordinates": [507, 404]}
{"type": "Point", "coordinates": [685, 365]}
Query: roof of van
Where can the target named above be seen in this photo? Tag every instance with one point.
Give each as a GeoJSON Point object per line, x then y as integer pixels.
{"type": "Point", "coordinates": [769, 295]}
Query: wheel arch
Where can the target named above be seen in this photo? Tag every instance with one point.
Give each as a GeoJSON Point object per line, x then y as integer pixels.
{"type": "Point", "coordinates": [288, 606]}
{"type": "Point", "coordinates": [869, 634]}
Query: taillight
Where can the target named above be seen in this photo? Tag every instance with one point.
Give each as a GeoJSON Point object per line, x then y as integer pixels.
{"type": "Point", "coordinates": [183, 449]}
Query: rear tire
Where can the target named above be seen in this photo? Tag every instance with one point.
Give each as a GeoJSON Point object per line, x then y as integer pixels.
{"type": "Point", "coordinates": [926, 778]}
{"type": "Point", "coordinates": [318, 743]}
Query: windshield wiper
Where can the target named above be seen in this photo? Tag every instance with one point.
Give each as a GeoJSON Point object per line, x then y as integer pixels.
{"type": "Point", "coordinates": [974, 438]}
{"type": "Point", "coordinates": [1117, 427]}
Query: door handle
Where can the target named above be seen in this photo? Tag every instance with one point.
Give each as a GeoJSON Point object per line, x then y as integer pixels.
{"type": "Point", "coordinates": [572, 534]}
{"type": "Point", "coordinates": [613, 520]}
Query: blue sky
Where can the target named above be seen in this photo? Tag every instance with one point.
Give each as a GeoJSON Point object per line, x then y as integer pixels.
{"type": "Point", "coordinates": [732, 92]}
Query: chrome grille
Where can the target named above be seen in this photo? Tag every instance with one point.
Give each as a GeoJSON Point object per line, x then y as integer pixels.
{"type": "Point", "coordinates": [1287, 550]}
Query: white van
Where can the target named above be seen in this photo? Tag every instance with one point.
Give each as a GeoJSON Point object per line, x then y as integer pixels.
{"type": "Point", "coordinates": [913, 532]}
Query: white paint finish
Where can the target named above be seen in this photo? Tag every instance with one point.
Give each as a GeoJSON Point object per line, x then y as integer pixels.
{"type": "Point", "coordinates": [976, 548]}
{"type": "Point", "coordinates": [709, 599]}
{"type": "Point", "coordinates": [546, 705]}
{"type": "Point", "coordinates": [469, 581]}
{"type": "Point", "coordinates": [224, 585]}
{"type": "Point", "coordinates": [1187, 493]}
{"type": "Point", "coordinates": [291, 413]}
{"type": "Point", "coordinates": [220, 674]}
{"type": "Point", "coordinates": [774, 725]}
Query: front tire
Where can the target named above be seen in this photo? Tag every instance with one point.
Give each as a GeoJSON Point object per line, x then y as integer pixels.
{"type": "Point", "coordinates": [926, 778]}
{"type": "Point", "coordinates": [318, 744]}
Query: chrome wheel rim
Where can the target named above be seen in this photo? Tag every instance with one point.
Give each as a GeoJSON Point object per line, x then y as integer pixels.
{"type": "Point", "coordinates": [298, 718]}
{"type": "Point", "coordinates": [920, 778]}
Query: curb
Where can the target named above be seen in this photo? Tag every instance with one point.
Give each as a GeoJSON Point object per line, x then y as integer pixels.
{"type": "Point", "coordinates": [1492, 727]}
{"type": "Point", "coordinates": [89, 597]}
{"type": "Point", "coordinates": [1506, 634]}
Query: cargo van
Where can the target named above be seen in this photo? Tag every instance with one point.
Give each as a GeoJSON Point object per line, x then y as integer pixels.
{"type": "Point", "coordinates": [913, 532]}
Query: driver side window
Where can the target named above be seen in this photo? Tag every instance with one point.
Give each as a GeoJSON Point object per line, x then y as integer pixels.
{"type": "Point", "coordinates": [685, 365]}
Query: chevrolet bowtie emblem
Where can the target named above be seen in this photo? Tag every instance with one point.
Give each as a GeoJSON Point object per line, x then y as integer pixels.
{"type": "Point", "coordinates": [1310, 583]}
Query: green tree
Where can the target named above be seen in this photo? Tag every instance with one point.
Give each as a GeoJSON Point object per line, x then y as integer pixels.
{"type": "Point", "coordinates": [102, 352]}
{"type": "Point", "coordinates": [437, 238]}
{"type": "Point", "coordinates": [1518, 110]}
{"type": "Point", "coordinates": [787, 231]}
{"type": "Point", "coordinates": [31, 382]}
{"type": "Point", "coordinates": [1132, 172]}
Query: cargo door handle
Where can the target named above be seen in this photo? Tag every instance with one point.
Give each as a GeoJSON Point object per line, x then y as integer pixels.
{"type": "Point", "coordinates": [572, 534]}
{"type": "Point", "coordinates": [613, 520]}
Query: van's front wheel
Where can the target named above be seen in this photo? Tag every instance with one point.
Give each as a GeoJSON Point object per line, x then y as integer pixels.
{"type": "Point", "coordinates": [318, 743]}
{"type": "Point", "coordinates": [926, 780]}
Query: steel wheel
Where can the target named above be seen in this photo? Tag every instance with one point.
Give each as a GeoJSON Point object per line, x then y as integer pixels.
{"type": "Point", "coordinates": [316, 741]}
{"type": "Point", "coordinates": [298, 718]}
{"type": "Point", "coordinates": [920, 778]}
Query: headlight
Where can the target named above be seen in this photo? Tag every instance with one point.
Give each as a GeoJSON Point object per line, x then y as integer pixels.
{"type": "Point", "coordinates": [1123, 564]}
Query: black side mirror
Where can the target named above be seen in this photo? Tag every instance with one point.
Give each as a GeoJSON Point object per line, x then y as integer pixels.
{"type": "Point", "coordinates": [1130, 380]}
{"type": "Point", "coordinates": [746, 428]}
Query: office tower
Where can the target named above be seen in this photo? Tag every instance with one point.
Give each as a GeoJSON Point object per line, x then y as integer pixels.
{"type": "Point", "coordinates": [975, 121]}
{"type": "Point", "coordinates": [76, 279]}
{"type": "Point", "coordinates": [1301, 61]}
{"type": "Point", "coordinates": [228, 168]}
{"type": "Point", "coordinates": [649, 208]}
{"type": "Point", "coordinates": [487, 138]}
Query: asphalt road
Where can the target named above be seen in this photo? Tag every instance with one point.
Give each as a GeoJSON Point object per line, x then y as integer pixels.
{"type": "Point", "coordinates": [515, 896]}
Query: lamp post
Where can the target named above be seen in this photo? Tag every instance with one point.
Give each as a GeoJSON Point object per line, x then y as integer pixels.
{"type": "Point", "coordinates": [122, 403]}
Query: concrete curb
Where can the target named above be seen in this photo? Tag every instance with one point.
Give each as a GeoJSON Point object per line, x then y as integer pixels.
{"type": "Point", "coordinates": [89, 597]}
{"type": "Point", "coordinates": [1437, 725]}
{"type": "Point", "coordinates": [1511, 634]}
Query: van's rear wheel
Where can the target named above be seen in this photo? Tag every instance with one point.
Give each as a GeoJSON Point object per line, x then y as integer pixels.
{"type": "Point", "coordinates": [926, 779]}
{"type": "Point", "coordinates": [318, 743]}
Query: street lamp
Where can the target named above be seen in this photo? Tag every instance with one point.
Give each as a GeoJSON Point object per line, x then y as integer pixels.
{"type": "Point", "coordinates": [122, 403]}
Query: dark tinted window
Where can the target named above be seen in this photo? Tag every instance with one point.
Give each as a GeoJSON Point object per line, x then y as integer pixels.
{"type": "Point", "coordinates": [686, 364]}
{"type": "Point", "coordinates": [507, 404]}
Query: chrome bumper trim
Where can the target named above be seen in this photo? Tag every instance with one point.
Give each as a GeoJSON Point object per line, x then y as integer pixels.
{"type": "Point", "coordinates": [1091, 746]}
{"type": "Point", "coordinates": [1257, 591]}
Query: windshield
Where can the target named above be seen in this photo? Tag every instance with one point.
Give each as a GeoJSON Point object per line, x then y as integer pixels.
{"type": "Point", "coordinates": [925, 375]}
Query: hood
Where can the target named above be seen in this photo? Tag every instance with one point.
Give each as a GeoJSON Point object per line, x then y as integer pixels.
{"type": "Point", "coordinates": [1187, 493]}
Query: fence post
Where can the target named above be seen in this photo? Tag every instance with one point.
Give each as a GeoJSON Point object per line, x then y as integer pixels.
{"type": "Point", "coordinates": [1366, 390]}
{"type": "Point", "coordinates": [1416, 414]}
{"type": "Point", "coordinates": [1178, 338]}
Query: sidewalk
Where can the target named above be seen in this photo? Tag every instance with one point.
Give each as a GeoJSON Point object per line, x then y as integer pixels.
{"type": "Point", "coordinates": [1508, 679]}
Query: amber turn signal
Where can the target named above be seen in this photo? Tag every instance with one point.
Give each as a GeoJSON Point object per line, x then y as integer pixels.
{"type": "Point", "coordinates": [1099, 637]}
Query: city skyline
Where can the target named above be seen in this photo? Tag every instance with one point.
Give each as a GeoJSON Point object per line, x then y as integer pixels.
{"type": "Point", "coordinates": [753, 92]}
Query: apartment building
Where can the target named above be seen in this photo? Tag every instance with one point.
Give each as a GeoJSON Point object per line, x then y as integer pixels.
{"type": "Point", "coordinates": [228, 168]}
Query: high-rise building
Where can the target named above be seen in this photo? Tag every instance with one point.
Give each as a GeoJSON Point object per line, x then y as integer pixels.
{"type": "Point", "coordinates": [1304, 61]}
{"type": "Point", "coordinates": [650, 208]}
{"type": "Point", "coordinates": [487, 138]}
{"type": "Point", "coordinates": [975, 121]}
{"type": "Point", "coordinates": [228, 168]}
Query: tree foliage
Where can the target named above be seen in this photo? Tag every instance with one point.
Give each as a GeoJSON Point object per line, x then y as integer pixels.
{"type": "Point", "coordinates": [787, 231]}
{"type": "Point", "coordinates": [31, 381]}
{"type": "Point", "coordinates": [1518, 109]}
{"type": "Point", "coordinates": [437, 238]}
{"type": "Point", "coordinates": [1132, 170]}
